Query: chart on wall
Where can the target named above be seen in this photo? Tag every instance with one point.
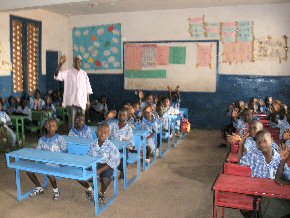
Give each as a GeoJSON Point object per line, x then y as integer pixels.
{"type": "Point", "coordinates": [155, 65]}
{"type": "Point", "coordinates": [99, 46]}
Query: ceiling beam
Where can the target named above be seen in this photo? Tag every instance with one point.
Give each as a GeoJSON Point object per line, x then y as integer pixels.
{"type": "Point", "coordinates": [7, 5]}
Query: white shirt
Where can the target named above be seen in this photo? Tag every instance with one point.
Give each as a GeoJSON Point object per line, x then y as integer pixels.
{"type": "Point", "coordinates": [76, 87]}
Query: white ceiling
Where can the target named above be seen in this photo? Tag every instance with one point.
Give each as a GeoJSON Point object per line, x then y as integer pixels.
{"type": "Point", "coordinates": [75, 7]}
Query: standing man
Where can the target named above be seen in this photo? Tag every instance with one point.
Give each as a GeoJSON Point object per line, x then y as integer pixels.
{"type": "Point", "coordinates": [77, 88]}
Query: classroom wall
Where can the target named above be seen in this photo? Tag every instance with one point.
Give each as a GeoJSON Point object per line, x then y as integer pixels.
{"type": "Point", "coordinates": [207, 110]}
{"type": "Point", "coordinates": [54, 33]}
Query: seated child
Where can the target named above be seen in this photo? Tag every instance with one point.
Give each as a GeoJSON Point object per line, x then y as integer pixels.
{"type": "Point", "coordinates": [48, 106]}
{"type": "Point", "coordinates": [56, 101]}
{"type": "Point", "coordinates": [111, 159]}
{"type": "Point", "coordinates": [174, 97]}
{"type": "Point", "coordinates": [121, 130]}
{"type": "Point", "coordinates": [137, 111]}
{"type": "Point", "coordinates": [50, 142]}
{"type": "Point", "coordinates": [23, 109]}
{"type": "Point", "coordinates": [266, 106]}
{"type": "Point", "coordinates": [100, 106]}
{"type": "Point", "coordinates": [149, 100]}
{"type": "Point", "coordinates": [264, 162]}
{"type": "Point", "coordinates": [5, 121]}
{"type": "Point", "coordinates": [242, 125]}
{"type": "Point", "coordinates": [80, 129]}
{"type": "Point", "coordinates": [37, 103]}
{"type": "Point", "coordinates": [12, 105]}
{"type": "Point", "coordinates": [131, 112]}
{"type": "Point", "coordinates": [150, 124]}
{"type": "Point", "coordinates": [166, 110]}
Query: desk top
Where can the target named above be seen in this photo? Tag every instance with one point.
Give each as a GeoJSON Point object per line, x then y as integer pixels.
{"type": "Point", "coordinates": [77, 140]}
{"type": "Point", "coordinates": [253, 186]}
{"type": "Point", "coordinates": [54, 157]}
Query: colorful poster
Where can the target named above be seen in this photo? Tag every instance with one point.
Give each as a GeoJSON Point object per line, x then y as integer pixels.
{"type": "Point", "coordinates": [245, 31]}
{"type": "Point", "coordinates": [163, 55]}
{"type": "Point", "coordinates": [177, 55]}
{"type": "Point", "coordinates": [149, 55]}
{"type": "Point", "coordinates": [204, 55]}
{"type": "Point", "coordinates": [145, 74]}
{"type": "Point", "coordinates": [213, 30]}
{"type": "Point", "coordinates": [196, 27]}
{"type": "Point", "coordinates": [237, 52]}
{"type": "Point", "coordinates": [133, 57]}
{"type": "Point", "coordinates": [99, 46]}
{"type": "Point", "coordinates": [229, 31]}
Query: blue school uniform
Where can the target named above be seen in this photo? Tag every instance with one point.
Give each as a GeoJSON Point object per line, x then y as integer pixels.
{"type": "Point", "coordinates": [34, 104]}
{"type": "Point", "coordinates": [151, 127]}
{"type": "Point", "coordinates": [108, 152]}
{"type": "Point", "coordinates": [55, 143]}
{"type": "Point", "coordinates": [86, 132]}
{"type": "Point", "coordinates": [265, 110]}
{"type": "Point", "coordinates": [25, 111]}
{"type": "Point", "coordinates": [123, 134]}
{"type": "Point", "coordinates": [257, 162]}
{"type": "Point", "coordinates": [50, 107]}
{"type": "Point", "coordinates": [6, 119]}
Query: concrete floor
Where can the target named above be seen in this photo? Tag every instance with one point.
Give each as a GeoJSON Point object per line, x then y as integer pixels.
{"type": "Point", "coordinates": [179, 185]}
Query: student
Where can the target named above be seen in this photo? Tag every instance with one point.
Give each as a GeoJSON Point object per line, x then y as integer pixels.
{"type": "Point", "coordinates": [266, 105]}
{"type": "Point", "coordinates": [242, 125]}
{"type": "Point", "coordinates": [5, 121]}
{"type": "Point", "coordinates": [11, 105]}
{"type": "Point", "coordinates": [150, 124]}
{"type": "Point", "coordinates": [111, 159]}
{"type": "Point", "coordinates": [166, 110]}
{"type": "Point", "coordinates": [56, 101]}
{"type": "Point", "coordinates": [23, 109]}
{"type": "Point", "coordinates": [264, 162]}
{"type": "Point", "coordinates": [148, 101]}
{"type": "Point", "coordinates": [174, 97]}
{"type": "Point", "coordinates": [80, 129]}
{"type": "Point", "coordinates": [50, 142]}
{"type": "Point", "coordinates": [38, 103]}
{"type": "Point", "coordinates": [48, 105]}
{"type": "Point", "coordinates": [101, 107]}
{"type": "Point", "coordinates": [137, 110]}
{"type": "Point", "coordinates": [121, 130]}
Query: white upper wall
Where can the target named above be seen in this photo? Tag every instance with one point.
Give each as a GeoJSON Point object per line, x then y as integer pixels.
{"type": "Point", "coordinates": [271, 20]}
{"type": "Point", "coordinates": [54, 32]}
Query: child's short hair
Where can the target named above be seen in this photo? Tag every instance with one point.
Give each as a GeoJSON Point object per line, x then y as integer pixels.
{"type": "Point", "coordinates": [123, 110]}
{"type": "Point", "coordinates": [258, 124]}
{"type": "Point", "coordinates": [79, 114]}
{"type": "Point", "coordinates": [261, 134]}
{"type": "Point", "coordinates": [104, 125]}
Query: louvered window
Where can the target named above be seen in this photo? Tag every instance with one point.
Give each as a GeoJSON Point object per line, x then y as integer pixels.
{"type": "Point", "coordinates": [26, 54]}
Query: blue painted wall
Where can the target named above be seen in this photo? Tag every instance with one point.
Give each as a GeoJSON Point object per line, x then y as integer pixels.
{"type": "Point", "coordinates": [206, 110]}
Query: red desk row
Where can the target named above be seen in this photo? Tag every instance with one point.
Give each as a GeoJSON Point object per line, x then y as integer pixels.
{"type": "Point", "coordinates": [247, 186]}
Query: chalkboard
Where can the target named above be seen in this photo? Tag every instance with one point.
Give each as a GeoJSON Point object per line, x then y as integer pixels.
{"type": "Point", "coordinates": [153, 65]}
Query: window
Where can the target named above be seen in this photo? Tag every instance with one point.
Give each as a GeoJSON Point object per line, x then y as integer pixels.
{"type": "Point", "coordinates": [25, 39]}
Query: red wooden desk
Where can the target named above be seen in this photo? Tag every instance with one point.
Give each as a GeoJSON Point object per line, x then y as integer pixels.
{"type": "Point", "coordinates": [249, 186]}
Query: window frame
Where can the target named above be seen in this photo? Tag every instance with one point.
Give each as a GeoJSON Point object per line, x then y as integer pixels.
{"type": "Point", "coordinates": [25, 22]}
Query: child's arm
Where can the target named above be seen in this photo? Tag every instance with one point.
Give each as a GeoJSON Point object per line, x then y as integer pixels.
{"type": "Point", "coordinates": [141, 96]}
{"type": "Point", "coordinates": [241, 147]}
{"type": "Point", "coordinates": [169, 92]}
{"type": "Point", "coordinates": [279, 174]}
{"type": "Point", "coordinates": [177, 91]}
{"type": "Point", "coordinates": [112, 114]}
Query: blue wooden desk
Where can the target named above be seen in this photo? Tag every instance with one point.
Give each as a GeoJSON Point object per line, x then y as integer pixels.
{"type": "Point", "coordinates": [73, 166]}
{"type": "Point", "coordinates": [78, 145]}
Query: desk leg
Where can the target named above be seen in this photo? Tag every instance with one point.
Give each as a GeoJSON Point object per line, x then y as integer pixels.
{"type": "Point", "coordinates": [116, 188]}
{"type": "Point", "coordinates": [214, 205]}
{"type": "Point", "coordinates": [22, 131]}
{"type": "Point", "coordinates": [125, 167]}
{"type": "Point", "coordinates": [174, 136]}
{"type": "Point", "coordinates": [96, 190]}
{"type": "Point", "coordinates": [17, 129]}
{"type": "Point", "coordinates": [18, 184]}
{"type": "Point", "coordinates": [139, 162]}
{"type": "Point", "coordinates": [144, 152]}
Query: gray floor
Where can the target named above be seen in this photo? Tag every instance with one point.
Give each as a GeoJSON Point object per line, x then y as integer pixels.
{"type": "Point", "coordinates": [179, 185]}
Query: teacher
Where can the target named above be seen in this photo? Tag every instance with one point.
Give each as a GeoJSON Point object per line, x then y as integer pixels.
{"type": "Point", "coordinates": [77, 88]}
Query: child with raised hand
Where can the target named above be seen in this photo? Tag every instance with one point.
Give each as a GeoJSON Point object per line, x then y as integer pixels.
{"type": "Point", "coordinates": [50, 142]}
{"type": "Point", "coordinates": [264, 162]}
{"type": "Point", "coordinates": [48, 105]}
{"type": "Point", "coordinates": [110, 159]}
{"type": "Point", "coordinates": [266, 105]}
{"type": "Point", "coordinates": [38, 103]}
{"type": "Point", "coordinates": [149, 123]}
{"type": "Point", "coordinates": [247, 143]}
{"type": "Point", "coordinates": [5, 121]}
{"type": "Point", "coordinates": [80, 129]}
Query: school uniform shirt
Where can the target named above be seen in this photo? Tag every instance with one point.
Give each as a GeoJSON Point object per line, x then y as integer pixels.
{"type": "Point", "coordinates": [55, 143]}
{"type": "Point", "coordinates": [100, 107]}
{"type": "Point", "coordinates": [6, 119]}
{"type": "Point", "coordinates": [123, 134]}
{"type": "Point", "coordinates": [176, 104]}
{"type": "Point", "coordinates": [34, 104]}
{"type": "Point", "coordinates": [26, 111]}
{"type": "Point", "coordinates": [31, 101]}
{"type": "Point", "coordinates": [10, 109]}
{"type": "Point", "coordinates": [107, 151]}
{"type": "Point", "coordinates": [286, 167]}
{"type": "Point", "coordinates": [257, 162]}
{"type": "Point", "coordinates": [165, 113]}
{"type": "Point", "coordinates": [76, 87]}
{"type": "Point", "coordinates": [242, 127]}
{"type": "Point", "coordinates": [151, 127]}
{"type": "Point", "coordinates": [265, 110]}
{"type": "Point", "coordinates": [250, 145]}
{"type": "Point", "coordinates": [86, 132]}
